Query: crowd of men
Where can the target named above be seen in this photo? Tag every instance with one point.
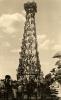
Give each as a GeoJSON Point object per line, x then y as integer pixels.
{"type": "Point", "coordinates": [14, 90]}
{"type": "Point", "coordinates": [27, 90]}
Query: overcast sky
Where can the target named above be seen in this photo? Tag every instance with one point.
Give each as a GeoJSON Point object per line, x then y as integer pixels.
{"type": "Point", "coordinates": [48, 27]}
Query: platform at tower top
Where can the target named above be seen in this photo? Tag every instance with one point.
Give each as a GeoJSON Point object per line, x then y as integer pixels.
{"type": "Point", "coordinates": [30, 7]}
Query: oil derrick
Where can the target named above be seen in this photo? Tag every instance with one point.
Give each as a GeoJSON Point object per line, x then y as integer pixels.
{"type": "Point", "coordinates": [29, 64]}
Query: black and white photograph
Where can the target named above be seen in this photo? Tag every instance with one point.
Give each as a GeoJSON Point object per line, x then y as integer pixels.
{"type": "Point", "coordinates": [30, 49]}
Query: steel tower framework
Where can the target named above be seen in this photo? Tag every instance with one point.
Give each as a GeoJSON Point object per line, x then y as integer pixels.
{"type": "Point", "coordinates": [29, 64]}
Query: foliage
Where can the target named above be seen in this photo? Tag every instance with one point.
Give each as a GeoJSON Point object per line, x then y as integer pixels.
{"type": "Point", "coordinates": [49, 93]}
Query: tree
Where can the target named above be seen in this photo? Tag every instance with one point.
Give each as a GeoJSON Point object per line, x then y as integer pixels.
{"type": "Point", "coordinates": [58, 64]}
{"type": "Point", "coordinates": [48, 92]}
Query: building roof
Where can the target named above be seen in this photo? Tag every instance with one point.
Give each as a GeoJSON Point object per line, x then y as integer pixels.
{"type": "Point", "coordinates": [57, 55]}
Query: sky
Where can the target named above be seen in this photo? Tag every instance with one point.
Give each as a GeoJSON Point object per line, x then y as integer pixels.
{"type": "Point", "coordinates": [48, 29]}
